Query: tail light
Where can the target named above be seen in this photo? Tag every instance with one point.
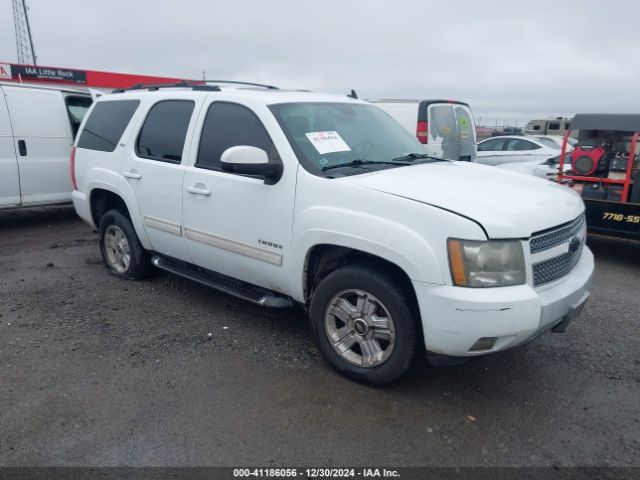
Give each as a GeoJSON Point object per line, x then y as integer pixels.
{"type": "Point", "coordinates": [422, 132]}
{"type": "Point", "coordinates": [73, 168]}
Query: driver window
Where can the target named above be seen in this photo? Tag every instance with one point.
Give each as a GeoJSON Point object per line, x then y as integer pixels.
{"type": "Point", "coordinates": [494, 145]}
{"type": "Point", "coordinates": [229, 125]}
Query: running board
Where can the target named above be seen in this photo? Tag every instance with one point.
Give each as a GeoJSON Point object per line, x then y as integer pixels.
{"type": "Point", "coordinates": [231, 286]}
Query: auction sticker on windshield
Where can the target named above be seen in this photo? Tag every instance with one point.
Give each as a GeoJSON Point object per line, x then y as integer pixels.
{"type": "Point", "coordinates": [327, 142]}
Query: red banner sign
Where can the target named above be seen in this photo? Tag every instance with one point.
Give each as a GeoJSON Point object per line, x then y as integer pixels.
{"type": "Point", "coordinates": [69, 76]}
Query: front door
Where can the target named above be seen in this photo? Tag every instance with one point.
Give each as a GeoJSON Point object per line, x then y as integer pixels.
{"type": "Point", "coordinates": [9, 178]}
{"type": "Point", "coordinates": [153, 168]}
{"type": "Point", "coordinates": [490, 152]}
{"type": "Point", "coordinates": [235, 224]}
{"type": "Point", "coordinates": [519, 150]}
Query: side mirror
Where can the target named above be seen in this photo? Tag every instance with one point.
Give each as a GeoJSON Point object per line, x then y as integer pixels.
{"type": "Point", "coordinates": [246, 160]}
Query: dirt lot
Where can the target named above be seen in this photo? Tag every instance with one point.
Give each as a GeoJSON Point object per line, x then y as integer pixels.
{"type": "Point", "coordinates": [98, 371]}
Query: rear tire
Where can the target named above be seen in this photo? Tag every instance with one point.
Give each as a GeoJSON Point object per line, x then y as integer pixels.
{"type": "Point", "coordinates": [363, 325]}
{"type": "Point", "coordinates": [120, 247]}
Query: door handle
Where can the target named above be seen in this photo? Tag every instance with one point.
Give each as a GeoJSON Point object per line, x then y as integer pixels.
{"type": "Point", "coordinates": [132, 174]}
{"type": "Point", "coordinates": [199, 190]}
{"type": "Point", "coordinates": [22, 148]}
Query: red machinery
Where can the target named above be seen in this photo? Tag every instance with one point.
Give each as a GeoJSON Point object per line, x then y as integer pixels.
{"type": "Point", "coordinates": [606, 171]}
{"type": "Point", "coordinates": [589, 159]}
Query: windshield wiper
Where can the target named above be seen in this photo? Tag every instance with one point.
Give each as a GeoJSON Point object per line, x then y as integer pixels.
{"type": "Point", "coordinates": [411, 157]}
{"type": "Point", "coordinates": [358, 162]}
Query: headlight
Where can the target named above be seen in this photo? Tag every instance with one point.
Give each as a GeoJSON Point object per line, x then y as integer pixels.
{"type": "Point", "coordinates": [494, 263]}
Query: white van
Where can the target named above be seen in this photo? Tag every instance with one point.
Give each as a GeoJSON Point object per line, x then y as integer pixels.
{"type": "Point", "coordinates": [37, 128]}
{"type": "Point", "coordinates": [445, 126]}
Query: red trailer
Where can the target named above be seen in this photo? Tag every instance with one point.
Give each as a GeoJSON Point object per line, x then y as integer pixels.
{"type": "Point", "coordinates": [605, 170]}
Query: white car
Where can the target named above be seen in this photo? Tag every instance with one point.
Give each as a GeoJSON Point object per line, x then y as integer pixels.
{"type": "Point", "coordinates": [285, 197]}
{"type": "Point", "coordinates": [547, 169]}
{"type": "Point", "coordinates": [37, 128]}
{"type": "Point", "coordinates": [515, 148]}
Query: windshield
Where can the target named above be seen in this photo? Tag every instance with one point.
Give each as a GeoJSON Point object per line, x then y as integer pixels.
{"type": "Point", "coordinates": [326, 134]}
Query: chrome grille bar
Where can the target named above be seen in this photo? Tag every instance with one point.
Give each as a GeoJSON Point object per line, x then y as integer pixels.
{"type": "Point", "coordinates": [546, 240]}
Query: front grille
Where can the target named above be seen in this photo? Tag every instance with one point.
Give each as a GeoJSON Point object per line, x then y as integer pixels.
{"type": "Point", "coordinates": [554, 268]}
{"type": "Point", "coordinates": [556, 236]}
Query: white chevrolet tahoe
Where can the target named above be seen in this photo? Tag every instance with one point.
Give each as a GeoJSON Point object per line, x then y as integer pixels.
{"type": "Point", "coordinates": [283, 197]}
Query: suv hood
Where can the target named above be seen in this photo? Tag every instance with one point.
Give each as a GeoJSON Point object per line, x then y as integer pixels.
{"type": "Point", "coordinates": [506, 204]}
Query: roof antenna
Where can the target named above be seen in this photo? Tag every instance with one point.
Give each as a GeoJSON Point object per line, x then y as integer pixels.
{"type": "Point", "coordinates": [353, 94]}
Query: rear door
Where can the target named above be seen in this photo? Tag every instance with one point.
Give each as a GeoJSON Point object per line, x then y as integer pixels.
{"type": "Point", "coordinates": [520, 150]}
{"type": "Point", "coordinates": [154, 169]}
{"type": "Point", "coordinates": [451, 129]}
{"type": "Point", "coordinates": [466, 129]}
{"type": "Point", "coordinates": [9, 178]}
{"type": "Point", "coordinates": [43, 140]}
{"type": "Point", "coordinates": [443, 136]}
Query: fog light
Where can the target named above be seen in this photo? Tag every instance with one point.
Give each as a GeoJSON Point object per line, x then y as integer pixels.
{"type": "Point", "coordinates": [484, 343]}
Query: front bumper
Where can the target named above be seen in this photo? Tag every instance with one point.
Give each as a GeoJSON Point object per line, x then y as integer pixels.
{"type": "Point", "coordinates": [455, 318]}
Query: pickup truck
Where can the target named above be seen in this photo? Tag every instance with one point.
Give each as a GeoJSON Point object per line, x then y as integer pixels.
{"type": "Point", "coordinates": [290, 197]}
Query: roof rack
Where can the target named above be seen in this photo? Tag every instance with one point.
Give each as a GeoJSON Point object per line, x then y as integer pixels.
{"type": "Point", "coordinates": [157, 86]}
{"type": "Point", "coordinates": [249, 84]}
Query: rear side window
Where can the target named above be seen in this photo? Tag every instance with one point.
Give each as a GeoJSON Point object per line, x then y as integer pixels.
{"type": "Point", "coordinates": [229, 125]}
{"type": "Point", "coordinates": [106, 124]}
{"type": "Point", "coordinates": [164, 131]}
{"type": "Point", "coordinates": [516, 144]}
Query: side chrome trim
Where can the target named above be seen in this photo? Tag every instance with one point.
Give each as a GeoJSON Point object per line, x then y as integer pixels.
{"type": "Point", "coordinates": [163, 225]}
{"type": "Point", "coordinates": [233, 246]}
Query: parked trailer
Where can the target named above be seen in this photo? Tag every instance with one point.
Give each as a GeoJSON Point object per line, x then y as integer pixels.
{"type": "Point", "coordinates": [606, 171]}
{"type": "Point", "coordinates": [556, 126]}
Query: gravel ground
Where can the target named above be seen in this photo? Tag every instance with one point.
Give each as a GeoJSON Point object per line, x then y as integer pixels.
{"type": "Point", "coordinates": [98, 371]}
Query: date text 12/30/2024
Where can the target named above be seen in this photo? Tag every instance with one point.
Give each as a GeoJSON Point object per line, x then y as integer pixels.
{"type": "Point", "coordinates": [315, 473]}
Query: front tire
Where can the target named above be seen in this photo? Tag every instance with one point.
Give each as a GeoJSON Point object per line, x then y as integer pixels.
{"type": "Point", "coordinates": [363, 325]}
{"type": "Point", "coordinates": [121, 250]}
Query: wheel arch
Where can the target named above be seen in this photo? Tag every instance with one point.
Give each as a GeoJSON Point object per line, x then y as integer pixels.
{"type": "Point", "coordinates": [322, 259]}
{"type": "Point", "coordinates": [102, 199]}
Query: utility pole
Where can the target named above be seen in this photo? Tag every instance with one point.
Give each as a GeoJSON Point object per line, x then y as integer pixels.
{"type": "Point", "coordinates": [24, 42]}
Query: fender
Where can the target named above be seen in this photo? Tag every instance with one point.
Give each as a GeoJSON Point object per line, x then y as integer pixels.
{"type": "Point", "coordinates": [129, 199]}
{"type": "Point", "coordinates": [417, 259]}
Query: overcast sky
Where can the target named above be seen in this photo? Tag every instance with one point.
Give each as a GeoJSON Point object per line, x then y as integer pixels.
{"type": "Point", "coordinates": [509, 59]}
